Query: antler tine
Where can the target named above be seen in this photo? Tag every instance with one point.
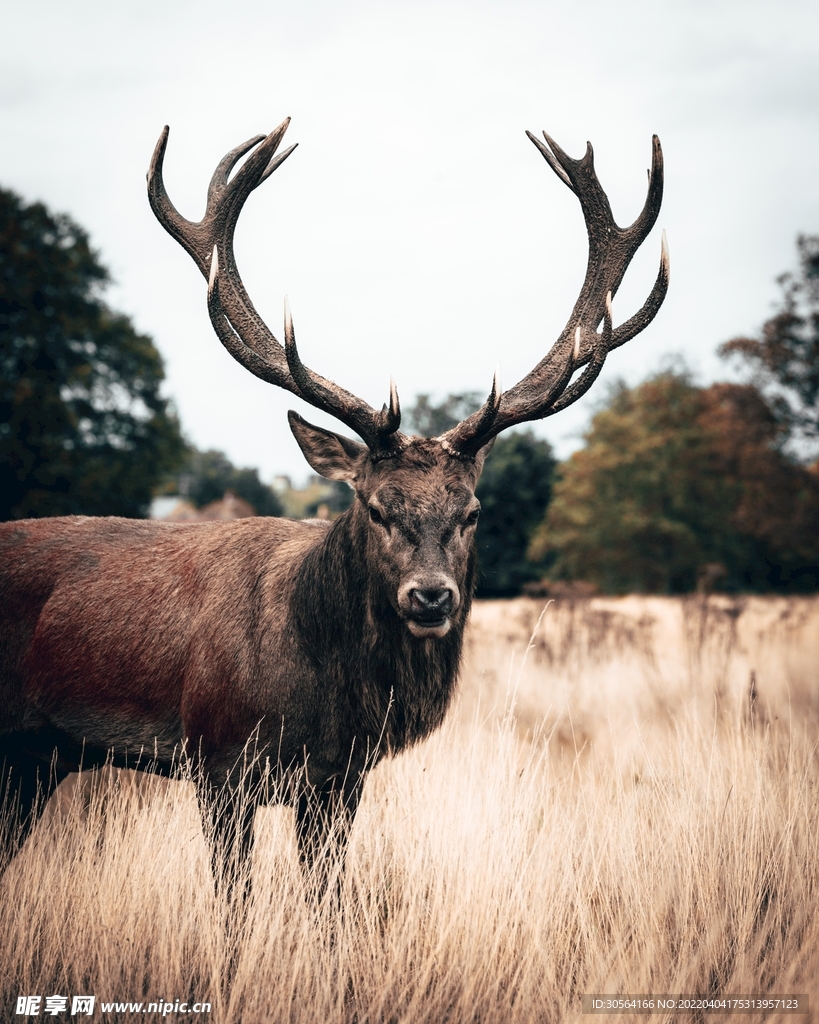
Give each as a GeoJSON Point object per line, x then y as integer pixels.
{"type": "Point", "coordinates": [548, 388]}
{"type": "Point", "coordinates": [475, 431]}
{"type": "Point", "coordinates": [654, 197]}
{"type": "Point", "coordinates": [549, 157]}
{"type": "Point", "coordinates": [277, 161]}
{"type": "Point", "coordinates": [219, 179]}
{"type": "Point", "coordinates": [378, 430]}
{"type": "Point", "coordinates": [643, 317]}
{"type": "Point", "coordinates": [235, 320]}
{"type": "Point", "coordinates": [164, 210]}
{"type": "Point", "coordinates": [389, 418]}
{"type": "Point", "coordinates": [593, 367]}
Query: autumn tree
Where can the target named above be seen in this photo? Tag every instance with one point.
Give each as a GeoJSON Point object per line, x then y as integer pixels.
{"type": "Point", "coordinates": [83, 425]}
{"type": "Point", "coordinates": [785, 357]}
{"type": "Point", "coordinates": [674, 478]}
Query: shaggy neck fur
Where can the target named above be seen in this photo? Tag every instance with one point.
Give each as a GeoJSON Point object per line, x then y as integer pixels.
{"type": "Point", "coordinates": [397, 687]}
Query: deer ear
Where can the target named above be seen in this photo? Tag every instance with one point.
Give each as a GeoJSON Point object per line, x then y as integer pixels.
{"type": "Point", "coordinates": [331, 455]}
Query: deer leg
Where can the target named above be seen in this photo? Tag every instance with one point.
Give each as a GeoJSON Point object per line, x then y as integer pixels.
{"type": "Point", "coordinates": [324, 817]}
{"type": "Point", "coordinates": [227, 818]}
{"type": "Point", "coordinates": [26, 783]}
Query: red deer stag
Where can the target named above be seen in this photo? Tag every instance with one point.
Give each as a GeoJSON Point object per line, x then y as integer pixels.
{"type": "Point", "coordinates": [329, 645]}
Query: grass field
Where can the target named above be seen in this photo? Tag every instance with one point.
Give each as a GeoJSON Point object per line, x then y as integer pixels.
{"type": "Point", "coordinates": [625, 800]}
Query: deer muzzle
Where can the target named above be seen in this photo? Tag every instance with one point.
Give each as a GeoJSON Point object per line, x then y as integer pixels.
{"type": "Point", "coordinates": [427, 606]}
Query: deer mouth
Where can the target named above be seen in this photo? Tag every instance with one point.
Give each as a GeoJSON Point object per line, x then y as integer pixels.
{"type": "Point", "coordinates": [427, 627]}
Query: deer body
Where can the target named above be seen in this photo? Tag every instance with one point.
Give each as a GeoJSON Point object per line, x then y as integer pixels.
{"type": "Point", "coordinates": [138, 639]}
{"type": "Point", "coordinates": [137, 642]}
{"type": "Point", "coordinates": [324, 647]}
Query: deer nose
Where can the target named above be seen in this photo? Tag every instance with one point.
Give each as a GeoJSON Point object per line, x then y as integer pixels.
{"type": "Point", "coordinates": [431, 604]}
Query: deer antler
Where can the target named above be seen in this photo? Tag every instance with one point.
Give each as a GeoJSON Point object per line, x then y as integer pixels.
{"type": "Point", "coordinates": [549, 387]}
{"type": "Point", "coordinates": [235, 320]}
{"type": "Point", "coordinates": [546, 390]}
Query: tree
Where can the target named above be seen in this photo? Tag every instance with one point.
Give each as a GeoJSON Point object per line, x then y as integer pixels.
{"type": "Point", "coordinates": [429, 420]}
{"type": "Point", "coordinates": [205, 477]}
{"type": "Point", "coordinates": [83, 426]}
{"type": "Point", "coordinates": [674, 478]}
{"type": "Point", "coordinates": [514, 491]}
{"type": "Point", "coordinates": [785, 357]}
{"type": "Point", "coordinates": [775, 514]}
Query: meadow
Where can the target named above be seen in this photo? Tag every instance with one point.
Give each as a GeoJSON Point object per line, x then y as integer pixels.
{"type": "Point", "coordinates": [624, 800]}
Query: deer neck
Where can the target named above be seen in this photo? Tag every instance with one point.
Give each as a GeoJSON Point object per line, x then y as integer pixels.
{"type": "Point", "coordinates": [395, 686]}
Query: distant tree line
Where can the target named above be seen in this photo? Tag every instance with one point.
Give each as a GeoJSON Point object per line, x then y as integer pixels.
{"type": "Point", "coordinates": [677, 486]}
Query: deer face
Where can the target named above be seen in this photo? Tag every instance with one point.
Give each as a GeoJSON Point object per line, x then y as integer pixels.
{"type": "Point", "coordinates": [418, 513]}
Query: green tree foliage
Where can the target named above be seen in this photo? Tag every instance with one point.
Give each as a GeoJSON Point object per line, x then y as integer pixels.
{"type": "Point", "coordinates": [785, 357]}
{"type": "Point", "coordinates": [207, 475]}
{"type": "Point", "coordinates": [83, 427]}
{"type": "Point", "coordinates": [514, 491]}
{"type": "Point", "coordinates": [429, 420]}
{"type": "Point", "coordinates": [676, 478]}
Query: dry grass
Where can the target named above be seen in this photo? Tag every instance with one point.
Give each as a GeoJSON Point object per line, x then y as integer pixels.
{"type": "Point", "coordinates": [612, 815]}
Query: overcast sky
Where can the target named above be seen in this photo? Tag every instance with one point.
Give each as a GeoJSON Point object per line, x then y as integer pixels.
{"type": "Point", "coordinates": [416, 230]}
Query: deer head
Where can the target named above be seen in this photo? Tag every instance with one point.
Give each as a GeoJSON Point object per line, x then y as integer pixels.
{"type": "Point", "coordinates": [416, 508]}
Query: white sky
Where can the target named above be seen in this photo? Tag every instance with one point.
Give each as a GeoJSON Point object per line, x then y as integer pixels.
{"type": "Point", "coordinates": [416, 230]}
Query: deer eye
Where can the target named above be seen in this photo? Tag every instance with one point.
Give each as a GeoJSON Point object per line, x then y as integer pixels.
{"type": "Point", "coordinates": [472, 518]}
{"type": "Point", "coordinates": [375, 515]}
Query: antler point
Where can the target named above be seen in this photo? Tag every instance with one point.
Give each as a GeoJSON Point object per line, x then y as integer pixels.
{"type": "Point", "coordinates": [395, 405]}
{"type": "Point", "coordinates": [214, 269]}
{"type": "Point", "coordinates": [497, 391]}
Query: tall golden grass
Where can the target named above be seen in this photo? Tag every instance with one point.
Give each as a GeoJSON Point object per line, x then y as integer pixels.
{"type": "Point", "coordinates": [612, 807]}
